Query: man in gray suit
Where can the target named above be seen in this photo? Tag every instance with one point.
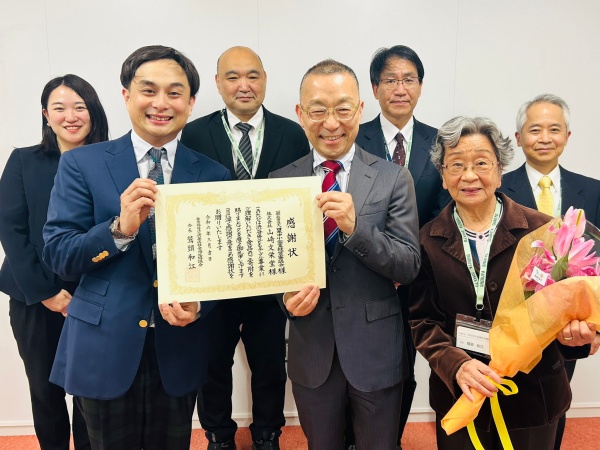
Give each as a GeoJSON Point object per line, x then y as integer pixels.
{"type": "Point", "coordinates": [346, 342]}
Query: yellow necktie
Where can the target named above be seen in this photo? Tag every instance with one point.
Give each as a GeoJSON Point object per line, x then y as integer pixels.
{"type": "Point", "coordinates": [545, 201]}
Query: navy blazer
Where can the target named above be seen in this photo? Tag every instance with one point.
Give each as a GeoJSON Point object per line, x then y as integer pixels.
{"type": "Point", "coordinates": [24, 195]}
{"type": "Point", "coordinates": [576, 190]}
{"type": "Point", "coordinates": [431, 196]}
{"type": "Point", "coordinates": [103, 336]}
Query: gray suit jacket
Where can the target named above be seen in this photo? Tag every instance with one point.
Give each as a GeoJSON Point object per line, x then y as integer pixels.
{"type": "Point", "coordinates": [576, 190]}
{"type": "Point", "coordinates": [358, 314]}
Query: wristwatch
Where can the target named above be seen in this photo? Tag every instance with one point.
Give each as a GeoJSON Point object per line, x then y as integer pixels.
{"type": "Point", "coordinates": [118, 234]}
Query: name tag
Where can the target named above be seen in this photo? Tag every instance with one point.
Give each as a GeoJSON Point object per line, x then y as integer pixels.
{"type": "Point", "coordinates": [473, 335]}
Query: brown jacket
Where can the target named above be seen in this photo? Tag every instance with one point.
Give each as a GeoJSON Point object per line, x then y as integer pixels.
{"type": "Point", "coordinates": [444, 288]}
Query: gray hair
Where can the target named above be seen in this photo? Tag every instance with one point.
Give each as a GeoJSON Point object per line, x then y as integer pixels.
{"type": "Point", "coordinates": [450, 133]}
{"type": "Point", "coordinates": [543, 98]}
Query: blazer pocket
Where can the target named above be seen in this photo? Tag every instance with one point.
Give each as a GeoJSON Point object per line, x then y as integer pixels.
{"type": "Point", "coordinates": [373, 208]}
{"type": "Point", "coordinates": [378, 309]}
{"type": "Point", "coordinates": [85, 311]}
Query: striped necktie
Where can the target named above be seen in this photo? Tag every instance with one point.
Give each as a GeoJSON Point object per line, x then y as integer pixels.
{"type": "Point", "coordinates": [330, 183]}
{"type": "Point", "coordinates": [246, 151]}
{"type": "Point", "coordinates": [545, 201]}
{"type": "Point", "coordinates": [156, 174]}
{"type": "Point", "coordinates": [399, 156]}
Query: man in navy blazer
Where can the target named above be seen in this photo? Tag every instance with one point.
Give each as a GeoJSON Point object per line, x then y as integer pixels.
{"type": "Point", "coordinates": [135, 366]}
{"type": "Point", "coordinates": [346, 342]}
{"type": "Point", "coordinates": [397, 79]}
{"type": "Point", "coordinates": [274, 142]}
{"type": "Point", "coordinates": [543, 132]}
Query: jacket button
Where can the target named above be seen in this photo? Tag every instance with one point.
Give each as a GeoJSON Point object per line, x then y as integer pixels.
{"type": "Point", "coordinates": [155, 284]}
{"type": "Point", "coordinates": [95, 259]}
{"type": "Point", "coordinates": [493, 286]}
{"type": "Point", "coordinates": [143, 323]}
{"type": "Point", "coordinates": [333, 270]}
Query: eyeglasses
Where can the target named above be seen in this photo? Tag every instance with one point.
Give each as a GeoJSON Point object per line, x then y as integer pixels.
{"type": "Point", "coordinates": [321, 114]}
{"type": "Point", "coordinates": [392, 83]}
{"type": "Point", "coordinates": [479, 166]}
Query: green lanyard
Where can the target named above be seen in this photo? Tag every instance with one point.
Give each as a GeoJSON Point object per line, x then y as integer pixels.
{"type": "Point", "coordinates": [408, 147]}
{"type": "Point", "coordinates": [478, 281]}
{"type": "Point", "coordinates": [236, 147]}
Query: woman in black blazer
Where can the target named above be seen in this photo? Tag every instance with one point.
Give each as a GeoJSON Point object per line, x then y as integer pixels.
{"type": "Point", "coordinates": [72, 115]}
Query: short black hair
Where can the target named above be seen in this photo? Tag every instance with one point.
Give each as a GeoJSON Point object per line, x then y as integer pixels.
{"type": "Point", "coordinates": [383, 55]}
{"type": "Point", "coordinates": [154, 53]}
{"type": "Point", "coordinates": [98, 121]}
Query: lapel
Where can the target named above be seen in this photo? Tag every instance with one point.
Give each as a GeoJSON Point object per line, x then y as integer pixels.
{"type": "Point", "coordinates": [221, 142]}
{"type": "Point", "coordinates": [122, 166]}
{"type": "Point", "coordinates": [419, 152]}
{"type": "Point", "coordinates": [519, 189]}
{"type": "Point", "coordinates": [374, 142]}
{"type": "Point", "coordinates": [270, 146]}
{"type": "Point", "coordinates": [570, 192]}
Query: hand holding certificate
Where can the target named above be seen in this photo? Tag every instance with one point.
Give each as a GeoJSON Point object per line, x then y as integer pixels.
{"type": "Point", "coordinates": [234, 239]}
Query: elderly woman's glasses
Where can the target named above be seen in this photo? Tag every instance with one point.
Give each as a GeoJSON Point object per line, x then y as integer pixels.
{"type": "Point", "coordinates": [341, 113]}
{"type": "Point", "coordinates": [478, 166]}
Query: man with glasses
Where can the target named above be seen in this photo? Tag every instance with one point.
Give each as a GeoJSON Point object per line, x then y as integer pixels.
{"type": "Point", "coordinates": [543, 132]}
{"type": "Point", "coordinates": [346, 344]}
{"type": "Point", "coordinates": [251, 142]}
{"type": "Point", "coordinates": [397, 78]}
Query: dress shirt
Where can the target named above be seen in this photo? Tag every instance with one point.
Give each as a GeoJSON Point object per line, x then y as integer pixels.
{"type": "Point", "coordinates": [534, 178]}
{"type": "Point", "coordinates": [389, 135]}
{"type": "Point", "coordinates": [255, 121]}
{"type": "Point", "coordinates": [342, 175]}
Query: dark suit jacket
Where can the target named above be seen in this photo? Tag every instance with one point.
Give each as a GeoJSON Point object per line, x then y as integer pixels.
{"type": "Point", "coordinates": [24, 195]}
{"type": "Point", "coordinates": [444, 288]}
{"type": "Point", "coordinates": [431, 196]}
{"type": "Point", "coordinates": [358, 314]}
{"type": "Point", "coordinates": [576, 190]}
{"type": "Point", "coordinates": [102, 340]}
{"type": "Point", "coordinates": [284, 142]}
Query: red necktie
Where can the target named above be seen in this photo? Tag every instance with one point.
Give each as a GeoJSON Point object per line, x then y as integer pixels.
{"type": "Point", "coordinates": [399, 156]}
{"type": "Point", "coordinates": [330, 183]}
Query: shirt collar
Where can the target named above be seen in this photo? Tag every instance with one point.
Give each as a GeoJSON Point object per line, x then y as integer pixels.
{"type": "Point", "coordinates": [390, 130]}
{"type": "Point", "coordinates": [535, 176]}
{"type": "Point", "coordinates": [255, 121]}
{"type": "Point", "coordinates": [141, 147]}
{"type": "Point", "coordinates": [346, 160]}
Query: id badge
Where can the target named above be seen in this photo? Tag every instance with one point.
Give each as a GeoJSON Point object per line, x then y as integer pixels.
{"type": "Point", "coordinates": [473, 335]}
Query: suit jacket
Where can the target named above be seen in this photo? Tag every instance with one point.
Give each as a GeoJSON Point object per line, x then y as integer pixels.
{"type": "Point", "coordinates": [284, 142]}
{"type": "Point", "coordinates": [444, 288]}
{"type": "Point", "coordinates": [431, 196]}
{"type": "Point", "coordinates": [24, 195]}
{"type": "Point", "coordinates": [358, 314]}
{"type": "Point", "coordinates": [102, 340]}
{"type": "Point", "coordinates": [576, 190]}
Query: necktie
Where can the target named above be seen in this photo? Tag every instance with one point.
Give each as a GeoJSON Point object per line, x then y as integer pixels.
{"type": "Point", "coordinates": [399, 156]}
{"type": "Point", "coordinates": [246, 151]}
{"type": "Point", "coordinates": [545, 201]}
{"type": "Point", "coordinates": [156, 174]}
{"type": "Point", "coordinates": [330, 183]}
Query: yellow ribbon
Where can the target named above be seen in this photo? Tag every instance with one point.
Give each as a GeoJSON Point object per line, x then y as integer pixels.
{"type": "Point", "coordinates": [510, 389]}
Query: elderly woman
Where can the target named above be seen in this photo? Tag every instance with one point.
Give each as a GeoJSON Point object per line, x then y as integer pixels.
{"type": "Point", "coordinates": [72, 115]}
{"type": "Point", "coordinates": [466, 253]}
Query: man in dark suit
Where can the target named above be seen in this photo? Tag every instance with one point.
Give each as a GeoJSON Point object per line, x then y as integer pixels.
{"type": "Point", "coordinates": [346, 342]}
{"type": "Point", "coordinates": [136, 367]}
{"type": "Point", "coordinates": [251, 142]}
{"type": "Point", "coordinates": [543, 132]}
{"type": "Point", "coordinates": [397, 79]}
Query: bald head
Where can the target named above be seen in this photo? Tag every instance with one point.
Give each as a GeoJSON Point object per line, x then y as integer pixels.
{"type": "Point", "coordinates": [241, 81]}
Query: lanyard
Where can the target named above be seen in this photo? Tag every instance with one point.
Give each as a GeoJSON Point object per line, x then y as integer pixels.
{"type": "Point", "coordinates": [236, 147]}
{"type": "Point", "coordinates": [408, 147]}
{"type": "Point", "coordinates": [478, 281]}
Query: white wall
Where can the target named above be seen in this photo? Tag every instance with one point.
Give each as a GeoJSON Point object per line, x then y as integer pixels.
{"type": "Point", "coordinates": [481, 58]}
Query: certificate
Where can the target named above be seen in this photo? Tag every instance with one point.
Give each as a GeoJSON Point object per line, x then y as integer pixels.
{"type": "Point", "coordinates": [231, 239]}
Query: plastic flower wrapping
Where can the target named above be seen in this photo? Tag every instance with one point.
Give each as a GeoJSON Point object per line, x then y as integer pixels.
{"type": "Point", "coordinates": [554, 278]}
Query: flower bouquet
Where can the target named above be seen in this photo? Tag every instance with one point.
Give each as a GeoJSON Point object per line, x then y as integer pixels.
{"type": "Point", "coordinates": [554, 278]}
